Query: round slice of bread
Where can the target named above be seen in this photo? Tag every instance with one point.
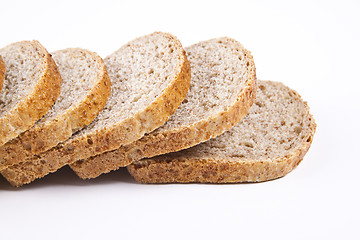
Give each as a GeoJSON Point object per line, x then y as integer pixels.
{"type": "Point", "coordinates": [85, 90]}
{"type": "Point", "coordinates": [268, 143]}
{"type": "Point", "coordinates": [2, 73]}
{"type": "Point", "coordinates": [221, 92]}
{"type": "Point", "coordinates": [150, 77]}
{"type": "Point", "coordinates": [32, 85]}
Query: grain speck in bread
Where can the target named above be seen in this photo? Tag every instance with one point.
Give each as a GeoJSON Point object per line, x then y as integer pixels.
{"type": "Point", "coordinates": [150, 77]}
{"type": "Point", "coordinates": [32, 85]}
{"type": "Point", "coordinates": [85, 89]}
{"type": "Point", "coordinates": [2, 73]}
{"type": "Point", "coordinates": [268, 143]}
{"type": "Point", "coordinates": [221, 92]}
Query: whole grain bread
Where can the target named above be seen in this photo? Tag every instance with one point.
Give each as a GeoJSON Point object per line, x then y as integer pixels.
{"type": "Point", "coordinates": [85, 90]}
{"type": "Point", "coordinates": [150, 77]}
{"type": "Point", "coordinates": [221, 92]}
{"type": "Point", "coordinates": [267, 144]}
{"type": "Point", "coordinates": [2, 73]}
{"type": "Point", "coordinates": [32, 85]}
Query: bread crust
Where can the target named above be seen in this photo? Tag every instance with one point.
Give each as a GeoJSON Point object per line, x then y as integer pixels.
{"type": "Point", "coordinates": [2, 73]}
{"type": "Point", "coordinates": [155, 144]}
{"type": "Point", "coordinates": [34, 106]}
{"type": "Point", "coordinates": [183, 169]}
{"type": "Point", "coordinates": [48, 134]}
{"type": "Point", "coordinates": [107, 139]}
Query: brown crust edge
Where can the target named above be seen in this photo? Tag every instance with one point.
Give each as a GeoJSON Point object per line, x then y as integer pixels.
{"type": "Point", "coordinates": [95, 101]}
{"type": "Point", "coordinates": [174, 140]}
{"type": "Point", "coordinates": [108, 139]}
{"type": "Point", "coordinates": [187, 170]}
{"type": "Point", "coordinates": [45, 136]}
{"type": "Point", "coordinates": [30, 109]}
{"type": "Point", "coordinates": [2, 73]}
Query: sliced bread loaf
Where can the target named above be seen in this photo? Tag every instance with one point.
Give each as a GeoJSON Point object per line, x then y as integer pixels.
{"type": "Point", "coordinates": [267, 144]}
{"type": "Point", "coordinates": [150, 78]}
{"type": "Point", "coordinates": [85, 90]}
{"type": "Point", "coordinates": [221, 92]}
{"type": "Point", "coordinates": [2, 73]}
{"type": "Point", "coordinates": [32, 85]}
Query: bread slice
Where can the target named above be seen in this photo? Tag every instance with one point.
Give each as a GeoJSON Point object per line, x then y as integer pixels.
{"type": "Point", "coordinates": [150, 78]}
{"type": "Point", "coordinates": [2, 73]}
{"type": "Point", "coordinates": [222, 90]}
{"type": "Point", "coordinates": [267, 144]}
{"type": "Point", "coordinates": [85, 90]}
{"type": "Point", "coordinates": [32, 85]}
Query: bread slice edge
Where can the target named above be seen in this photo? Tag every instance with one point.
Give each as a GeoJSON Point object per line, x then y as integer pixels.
{"type": "Point", "coordinates": [83, 147]}
{"type": "Point", "coordinates": [30, 109]}
{"type": "Point", "coordinates": [40, 137]}
{"type": "Point", "coordinates": [186, 169]}
{"type": "Point", "coordinates": [174, 140]}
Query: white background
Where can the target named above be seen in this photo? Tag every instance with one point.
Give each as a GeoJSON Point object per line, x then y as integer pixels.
{"type": "Point", "coordinates": [311, 46]}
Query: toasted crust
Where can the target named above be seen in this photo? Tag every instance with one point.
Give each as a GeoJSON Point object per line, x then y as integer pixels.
{"type": "Point", "coordinates": [47, 135]}
{"type": "Point", "coordinates": [35, 105]}
{"type": "Point", "coordinates": [107, 139]}
{"type": "Point", "coordinates": [175, 139]}
{"type": "Point", "coordinates": [2, 73]}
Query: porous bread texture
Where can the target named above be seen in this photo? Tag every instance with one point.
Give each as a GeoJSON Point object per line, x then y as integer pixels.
{"type": "Point", "coordinates": [154, 64]}
{"type": "Point", "coordinates": [32, 85]}
{"type": "Point", "coordinates": [2, 73]}
{"type": "Point", "coordinates": [268, 143]}
{"type": "Point", "coordinates": [143, 69]}
{"type": "Point", "coordinates": [85, 89]}
{"type": "Point", "coordinates": [89, 85]}
{"type": "Point", "coordinates": [221, 92]}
